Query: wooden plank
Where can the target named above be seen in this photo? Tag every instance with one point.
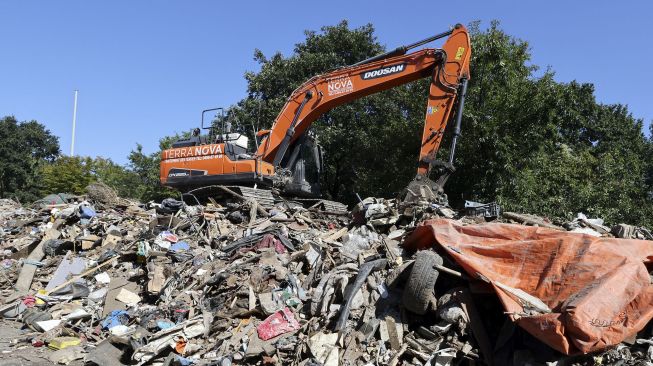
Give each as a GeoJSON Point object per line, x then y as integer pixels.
{"type": "Point", "coordinates": [476, 323]}
{"type": "Point", "coordinates": [24, 281]}
{"type": "Point", "coordinates": [530, 220]}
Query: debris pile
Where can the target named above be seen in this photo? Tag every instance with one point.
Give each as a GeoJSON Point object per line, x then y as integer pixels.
{"type": "Point", "coordinates": [103, 280]}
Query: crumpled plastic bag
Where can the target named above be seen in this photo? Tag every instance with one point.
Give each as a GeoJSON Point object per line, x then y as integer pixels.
{"type": "Point", "coordinates": [283, 321]}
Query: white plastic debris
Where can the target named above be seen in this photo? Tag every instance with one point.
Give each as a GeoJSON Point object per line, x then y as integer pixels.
{"type": "Point", "coordinates": [48, 325]}
{"type": "Point", "coordinates": [103, 278]}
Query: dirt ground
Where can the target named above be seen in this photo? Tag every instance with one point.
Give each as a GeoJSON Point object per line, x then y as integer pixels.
{"type": "Point", "coordinates": [15, 349]}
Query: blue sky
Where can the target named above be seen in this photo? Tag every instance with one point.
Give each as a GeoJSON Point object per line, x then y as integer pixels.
{"type": "Point", "coordinates": [146, 69]}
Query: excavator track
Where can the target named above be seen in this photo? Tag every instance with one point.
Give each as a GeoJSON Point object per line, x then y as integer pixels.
{"type": "Point", "coordinates": [266, 198]}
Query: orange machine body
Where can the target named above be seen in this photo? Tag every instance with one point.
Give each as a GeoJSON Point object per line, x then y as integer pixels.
{"type": "Point", "coordinates": [447, 66]}
{"type": "Point", "coordinates": [210, 160]}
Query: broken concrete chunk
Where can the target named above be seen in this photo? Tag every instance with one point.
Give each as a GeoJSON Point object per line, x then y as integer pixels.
{"type": "Point", "coordinates": [111, 239]}
{"type": "Point", "coordinates": [115, 286]}
{"type": "Point", "coordinates": [395, 332]}
{"type": "Point", "coordinates": [89, 241]}
{"type": "Point", "coordinates": [368, 329]}
{"type": "Point", "coordinates": [268, 304]}
{"type": "Point", "coordinates": [128, 297]}
{"type": "Point", "coordinates": [257, 347]}
{"type": "Point", "coordinates": [324, 349]}
{"type": "Point", "coordinates": [105, 354]}
{"type": "Point", "coordinates": [157, 279]}
{"type": "Point", "coordinates": [383, 331]}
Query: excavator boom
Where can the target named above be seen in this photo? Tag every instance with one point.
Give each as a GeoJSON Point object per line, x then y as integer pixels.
{"type": "Point", "coordinates": [448, 66]}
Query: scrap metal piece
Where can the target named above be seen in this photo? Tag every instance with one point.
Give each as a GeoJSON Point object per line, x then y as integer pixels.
{"type": "Point", "coordinates": [363, 273]}
{"type": "Point", "coordinates": [489, 210]}
{"type": "Point", "coordinates": [158, 342]}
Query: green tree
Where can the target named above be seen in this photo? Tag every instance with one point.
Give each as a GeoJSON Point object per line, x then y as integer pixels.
{"type": "Point", "coordinates": [146, 169]}
{"type": "Point", "coordinates": [25, 147]}
{"type": "Point", "coordinates": [72, 174]}
{"type": "Point", "coordinates": [541, 146]}
{"type": "Point", "coordinates": [123, 180]}
{"type": "Point", "coordinates": [68, 174]}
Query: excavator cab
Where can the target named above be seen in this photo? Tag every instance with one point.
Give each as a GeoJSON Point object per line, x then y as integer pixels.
{"type": "Point", "coordinates": [217, 152]}
{"type": "Point", "coordinates": [221, 130]}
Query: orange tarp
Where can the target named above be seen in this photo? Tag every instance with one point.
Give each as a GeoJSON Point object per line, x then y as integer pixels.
{"type": "Point", "coordinates": [598, 289]}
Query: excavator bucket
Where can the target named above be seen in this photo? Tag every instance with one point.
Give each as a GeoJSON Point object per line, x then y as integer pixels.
{"type": "Point", "coordinates": [423, 190]}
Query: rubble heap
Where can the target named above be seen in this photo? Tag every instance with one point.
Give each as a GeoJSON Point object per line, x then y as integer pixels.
{"type": "Point", "coordinates": [103, 280]}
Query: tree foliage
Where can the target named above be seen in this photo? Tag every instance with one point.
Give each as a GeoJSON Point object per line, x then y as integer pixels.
{"type": "Point", "coordinates": [146, 169]}
{"type": "Point", "coordinates": [68, 174]}
{"type": "Point", "coordinates": [72, 174]}
{"type": "Point", "coordinates": [31, 167]}
{"type": "Point", "coordinates": [139, 179]}
{"type": "Point", "coordinates": [542, 146]}
{"type": "Point", "coordinates": [123, 179]}
{"type": "Point", "coordinates": [529, 142]}
{"type": "Point", "coordinates": [25, 147]}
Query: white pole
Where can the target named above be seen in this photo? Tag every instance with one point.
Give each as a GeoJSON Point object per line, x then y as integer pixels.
{"type": "Point", "coordinates": [72, 144]}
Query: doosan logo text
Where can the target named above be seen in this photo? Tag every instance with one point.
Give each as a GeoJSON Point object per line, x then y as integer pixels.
{"type": "Point", "coordinates": [384, 71]}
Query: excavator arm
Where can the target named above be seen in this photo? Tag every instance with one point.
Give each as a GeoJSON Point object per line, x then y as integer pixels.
{"type": "Point", "coordinates": [448, 68]}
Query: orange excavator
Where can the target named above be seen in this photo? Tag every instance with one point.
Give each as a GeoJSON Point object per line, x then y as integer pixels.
{"type": "Point", "coordinates": [288, 158]}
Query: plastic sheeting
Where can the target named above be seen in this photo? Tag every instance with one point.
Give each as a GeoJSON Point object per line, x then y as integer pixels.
{"type": "Point", "coordinates": [598, 289]}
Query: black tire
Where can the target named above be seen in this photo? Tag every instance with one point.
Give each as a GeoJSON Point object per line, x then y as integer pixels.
{"type": "Point", "coordinates": [419, 293]}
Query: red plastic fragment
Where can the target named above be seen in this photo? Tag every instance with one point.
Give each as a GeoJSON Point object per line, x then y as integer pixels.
{"type": "Point", "coordinates": [283, 321]}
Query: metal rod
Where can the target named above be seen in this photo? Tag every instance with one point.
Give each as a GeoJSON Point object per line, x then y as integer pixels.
{"type": "Point", "coordinates": [396, 52]}
{"type": "Point", "coordinates": [72, 143]}
{"type": "Point", "coordinates": [211, 128]}
{"type": "Point", "coordinates": [403, 49]}
{"type": "Point", "coordinates": [291, 130]}
{"type": "Point", "coordinates": [209, 110]}
{"type": "Point", "coordinates": [459, 117]}
{"type": "Point", "coordinates": [429, 39]}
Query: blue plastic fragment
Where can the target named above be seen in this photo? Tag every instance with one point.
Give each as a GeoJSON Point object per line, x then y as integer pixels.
{"type": "Point", "coordinates": [164, 324]}
{"type": "Point", "coordinates": [86, 212]}
{"type": "Point", "coordinates": [115, 318]}
{"type": "Point", "coordinates": [180, 245]}
{"type": "Point", "coordinates": [184, 361]}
